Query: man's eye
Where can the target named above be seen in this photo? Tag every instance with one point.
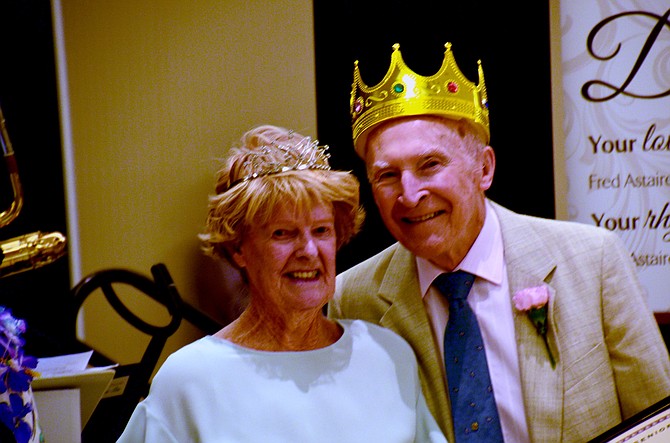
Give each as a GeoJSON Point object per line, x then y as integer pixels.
{"type": "Point", "coordinates": [385, 177]}
{"type": "Point", "coordinates": [431, 164]}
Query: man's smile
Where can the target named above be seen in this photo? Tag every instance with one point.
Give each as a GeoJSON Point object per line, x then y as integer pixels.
{"type": "Point", "coordinates": [421, 218]}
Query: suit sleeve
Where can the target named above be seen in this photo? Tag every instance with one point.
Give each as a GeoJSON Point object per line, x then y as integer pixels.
{"type": "Point", "coordinates": [638, 354]}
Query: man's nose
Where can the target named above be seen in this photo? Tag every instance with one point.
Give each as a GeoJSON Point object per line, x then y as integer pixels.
{"type": "Point", "coordinates": [412, 189]}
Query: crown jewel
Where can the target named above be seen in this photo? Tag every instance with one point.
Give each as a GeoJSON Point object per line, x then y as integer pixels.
{"type": "Point", "coordinates": [402, 92]}
{"type": "Point", "coordinates": [276, 158]}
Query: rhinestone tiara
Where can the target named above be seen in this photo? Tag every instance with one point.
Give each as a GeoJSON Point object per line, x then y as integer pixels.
{"type": "Point", "coordinates": [276, 158]}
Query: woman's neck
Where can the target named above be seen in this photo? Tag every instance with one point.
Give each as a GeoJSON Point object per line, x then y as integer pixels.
{"type": "Point", "coordinates": [260, 329]}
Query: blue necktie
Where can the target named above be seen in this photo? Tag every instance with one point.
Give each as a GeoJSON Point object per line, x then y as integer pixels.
{"type": "Point", "coordinates": [473, 405]}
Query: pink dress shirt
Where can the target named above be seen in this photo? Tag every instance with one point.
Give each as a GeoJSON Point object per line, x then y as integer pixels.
{"type": "Point", "coordinates": [491, 301]}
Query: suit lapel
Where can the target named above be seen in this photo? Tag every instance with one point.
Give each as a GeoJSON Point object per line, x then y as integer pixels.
{"type": "Point", "coordinates": [407, 316]}
{"type": "Point", "coordinates": [527, 266]}
{"type": "Point", "coordinates": [542, 386]}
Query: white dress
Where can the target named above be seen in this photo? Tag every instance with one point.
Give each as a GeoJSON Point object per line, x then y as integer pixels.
{"type": "Point", "coordinates": [363, 388]}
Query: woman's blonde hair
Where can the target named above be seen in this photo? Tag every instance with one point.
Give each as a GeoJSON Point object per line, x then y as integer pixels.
{"type": "Point", "coordinates": [245, 197]}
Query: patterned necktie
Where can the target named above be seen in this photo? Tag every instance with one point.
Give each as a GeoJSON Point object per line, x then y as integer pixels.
{"type": "Point", "coordinates": [473, 404]}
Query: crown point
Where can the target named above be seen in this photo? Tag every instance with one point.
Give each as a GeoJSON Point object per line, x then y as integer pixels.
{"type": "Point", "coordinates": [402, 92]}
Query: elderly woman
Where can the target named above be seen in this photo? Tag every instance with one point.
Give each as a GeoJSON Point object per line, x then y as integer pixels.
{"type": "Point", "coordinates": [283, 371]}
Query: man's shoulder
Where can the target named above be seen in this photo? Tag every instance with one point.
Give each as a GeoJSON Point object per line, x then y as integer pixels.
{"type": "Point", "coordinates": [363, 290]}
{"type": "Point", "coordinates": [524, 234]}
{"type": "Point", "coordinates": [375, 264]}
{"type": "Point", "coordinates": [510, 220]}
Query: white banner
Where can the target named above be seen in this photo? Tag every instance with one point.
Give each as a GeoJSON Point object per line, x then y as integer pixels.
{"type": "Point", "coordinates": [616, 123]}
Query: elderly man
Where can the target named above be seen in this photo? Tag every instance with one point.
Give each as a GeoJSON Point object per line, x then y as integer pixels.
{"type": "Point", "coordinates": [564, 345]}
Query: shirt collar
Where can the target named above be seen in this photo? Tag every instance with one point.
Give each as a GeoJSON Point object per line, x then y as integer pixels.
{"type": "Point", "coordinates": [484, 259]}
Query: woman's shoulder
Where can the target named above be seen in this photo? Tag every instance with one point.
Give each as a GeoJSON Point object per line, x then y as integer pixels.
{"type": "Point", "coordinates": [384, 336]}
{"type": "Point", "coordinates": [192, 358]}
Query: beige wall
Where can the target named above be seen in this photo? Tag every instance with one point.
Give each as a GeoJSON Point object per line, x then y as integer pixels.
{"type": "Point", "coordinates": [152, 91]}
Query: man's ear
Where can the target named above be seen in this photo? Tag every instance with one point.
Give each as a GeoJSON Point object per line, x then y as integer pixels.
{"type": "Point", "coordinates": [488, 168]}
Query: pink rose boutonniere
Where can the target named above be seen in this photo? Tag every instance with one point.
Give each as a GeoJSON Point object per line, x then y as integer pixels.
{"type": "Point", "coordinates": [535, 302]}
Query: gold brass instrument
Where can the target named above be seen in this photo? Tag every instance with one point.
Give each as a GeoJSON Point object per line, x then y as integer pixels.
{"type": "Point", "coordinates": [29, 251]}
{"type": "Point", "coordinates": [8, 216]}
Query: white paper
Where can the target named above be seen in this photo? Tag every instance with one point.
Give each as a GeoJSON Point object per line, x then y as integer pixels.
{"type": "Point", "coordinates": [68, 364]}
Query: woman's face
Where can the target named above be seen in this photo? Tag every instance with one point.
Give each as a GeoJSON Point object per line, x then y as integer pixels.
{"type": "Point", "coordinates": [290, 261]}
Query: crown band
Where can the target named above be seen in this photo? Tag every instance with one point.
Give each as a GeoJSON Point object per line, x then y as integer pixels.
{"type": "Point", "coordinates": [402, 93]}
{"type": "Point", "coordinates": [276, 158]}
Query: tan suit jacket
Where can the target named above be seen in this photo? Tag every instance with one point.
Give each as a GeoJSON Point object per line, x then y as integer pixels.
{"type": "Point", "coordinates": [611, 361]}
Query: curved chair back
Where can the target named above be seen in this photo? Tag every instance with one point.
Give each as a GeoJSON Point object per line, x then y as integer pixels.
{"type": "Point", "coordinates": [188, 312]}
{"type": "Point", "coordinates": [131, 381]}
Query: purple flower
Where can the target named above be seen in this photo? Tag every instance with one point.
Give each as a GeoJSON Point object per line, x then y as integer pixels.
{"type": "Point", "coordinates": [17, 371]}
{"type": "Point", "coordinates": [535, 302]}
{"type": "Point", "coordinates": [12, 415]}
{"type": "Point", "coordinates": [19, 381]}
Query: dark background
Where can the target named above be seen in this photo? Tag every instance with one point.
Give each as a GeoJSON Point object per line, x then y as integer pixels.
{"type": "Point", "coordinates": [513, 45]}
{"type": "Point", "coordinates": [29, 101]}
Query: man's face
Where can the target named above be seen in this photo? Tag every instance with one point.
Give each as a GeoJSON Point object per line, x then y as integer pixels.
{"type": "Point", "coordinates": [429, 186]}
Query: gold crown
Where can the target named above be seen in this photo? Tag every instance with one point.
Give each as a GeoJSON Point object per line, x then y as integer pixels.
{"type": "Point", "coordinates": [402, 92]}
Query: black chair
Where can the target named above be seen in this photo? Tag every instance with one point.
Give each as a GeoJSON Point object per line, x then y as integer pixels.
{"type": "Point", "coordinates": [131, 381]}
{"type": "Point", "coordinates": [188, 312]}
